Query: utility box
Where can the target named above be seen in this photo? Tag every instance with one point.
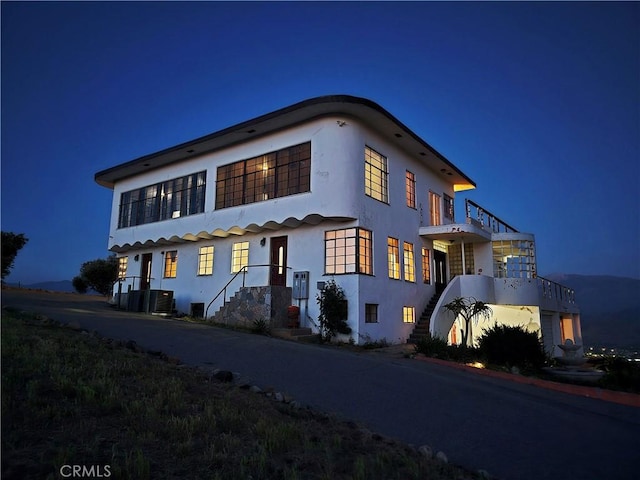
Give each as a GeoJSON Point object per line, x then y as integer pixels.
{"type": "Point", "coordinates": [300, 285]}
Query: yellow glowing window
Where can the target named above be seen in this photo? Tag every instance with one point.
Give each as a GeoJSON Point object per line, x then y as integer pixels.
{"type": "Point", "coordinates": [375, 175]}
{"type": "Point", "coordinates": [409, 263]}
{"type": "Point", "coordinates": [393, 256]}
{"type": "Point", "coordinates": [348, 251]}
{"type": "Point", "coordinates": [410, 186]}
{"type": "Point", "coordinates": [205, 260]}
{"type": "Point", "coordinates": [170, 264]}
{"type": "Point", "coordinates": [434, 208]}
{"type": "Point", "coordinates": [239, 256]}
{"type": "Point", "coordinates": [409, 314]}
{"type": "Point", "coordinates": [426, 266]}
{"type": "Point", "coordinates": [122, 267]}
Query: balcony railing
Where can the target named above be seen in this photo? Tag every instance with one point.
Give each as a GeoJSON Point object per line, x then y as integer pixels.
{"type": "Point", "coordinates": [554, 291]}
{"type": "Point", "coordinates": [486, 219]}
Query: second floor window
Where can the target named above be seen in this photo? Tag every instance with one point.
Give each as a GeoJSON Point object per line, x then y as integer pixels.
{"type": "Point", "coordinates": [434, 208]}
{"type": "Point", "coordinates": [171, 199]}
{"type": "Point", "coordinates": [376, 175]}
{"type": "Point", "coordinates": [448, 207]}
{"type": "Point", "coordinates": [410, 187]}
{"type": "Point", "coordinates": [276, 174]}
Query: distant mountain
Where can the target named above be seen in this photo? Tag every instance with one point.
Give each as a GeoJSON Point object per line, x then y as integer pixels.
{"type": "Point", "coordinates": [609, 308]}
{"type": "Point", "coordinates": [60, 286]}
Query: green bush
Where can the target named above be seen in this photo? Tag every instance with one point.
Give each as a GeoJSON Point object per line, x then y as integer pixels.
{"type": "Point", "coordinates": [621, 374]}
{"type": "Point", "coordinates": [512, 347]}
{"type": "Point", "coordinates": [333, 311]}
{"type": "Point", "coordinates": [432, 347]}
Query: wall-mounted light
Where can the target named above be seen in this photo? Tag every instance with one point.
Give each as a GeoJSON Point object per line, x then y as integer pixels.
{"type": "Point", "coordinates": [136, 258]}
{"type": "Point", "coordinates": [341, 123]}
{"type": "Point", "coordinates": [263, 242]}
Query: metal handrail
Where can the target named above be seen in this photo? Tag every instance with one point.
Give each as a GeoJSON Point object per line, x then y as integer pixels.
{"type": "Point", "coordinates": [555, 290]}
{"type": "Point", "coordinates": [242, 270]}
{"type": "Point", "coordinates": [493, 222]}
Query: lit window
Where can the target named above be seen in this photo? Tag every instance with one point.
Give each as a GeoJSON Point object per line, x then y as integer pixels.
{"type": "Point", "coordinates": [393, 256]}
{"type": "Point", "coordinates": [375, 175]}
{"type": "Point", "coordinates": [122, 267]}
{"type": "Point", "coordinates": [348, 251]}
{"type": "Point", "coordinates": [409, 314]}
{"type": "Point", "coordinates": [239, 256]}
{"type": "Point", "coordinates": [448, 207]}
{"type": "Point", "coordinates": [426, 266]}
{"type": "Point", "coordinates": [409, 263]}
{"type": "Point", "coordinates": [410, 186]}
{"type": "Point", "coordinates": [370, 313]}
{"type": "Point", "coordinates": [205, 260]}
{"type": "Point", "coordinates": [273, 175]}
{"type": "Point", "coordinates": [170, 264]}
{"type": "Point", "coordinates": [434, 208]}
{"type": "Point", "coordinates": [514, 259]}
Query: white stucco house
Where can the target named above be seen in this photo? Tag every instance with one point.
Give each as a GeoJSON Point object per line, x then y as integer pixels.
{"type": "Point", "coordinates": [333, 187]}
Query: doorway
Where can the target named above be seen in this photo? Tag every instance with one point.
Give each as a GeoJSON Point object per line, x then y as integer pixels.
{"type": "Point", "coordinates": [440, 261]}
{"type": "Point", "coordinates": [145, 271]}
{"type": "Point", "coordinates": [278, 276]}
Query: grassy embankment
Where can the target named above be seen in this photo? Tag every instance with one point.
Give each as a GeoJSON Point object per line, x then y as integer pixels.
{"type": "Point", "coordinates": [72, 398]}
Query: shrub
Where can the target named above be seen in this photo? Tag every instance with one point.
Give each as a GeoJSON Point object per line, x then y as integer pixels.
{"type": "Point", "coordinates": [333, 311]}
{"type": "Point", "coordinates": [621, 374]}
{"type": "Point", "coordinates": [432, 346]}
{"type": "Point", "coordinates": [512, 347]}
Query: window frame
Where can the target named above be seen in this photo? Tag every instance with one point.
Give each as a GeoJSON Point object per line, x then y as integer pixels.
{"type": "Point", "coordinates": [376, 175]}
{"type": "Point", "coordinates": [170, 269]}
{"type": "Point", "coordinates": [409, 262]}
{"type": "Point", "coordinates": [426, 266]}
{"type": "Point", "coordinates": [408, 314]}
{"type": "Point", "coordinates": [272, 175]}
{"type": "Point", "coordinates": [410, 189]}
{"type": "Point", "coordinates": [347, 243]}
{"type": "Point", "coordinates": [448, 207]}
{"type": "Point", "coordinates": [393, 258]}
{"type": "Point", "coordinates": [370, 313]}
{"type": "Point", "coordinates": [239, 259]}
{"type": "Point", "coordinates": [123, 263]}
{"type": "Point", "coordinates": [204, 259]}
{"type": "Point", "coordinates": [435, 215]}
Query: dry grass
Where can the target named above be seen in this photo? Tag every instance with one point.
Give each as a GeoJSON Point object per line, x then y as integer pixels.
{"type": "Point", "coordinates": [72, 398]}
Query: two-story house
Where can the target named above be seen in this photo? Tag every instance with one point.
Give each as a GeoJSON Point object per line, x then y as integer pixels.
{"type": "Point", "coordinates": [333, 187]}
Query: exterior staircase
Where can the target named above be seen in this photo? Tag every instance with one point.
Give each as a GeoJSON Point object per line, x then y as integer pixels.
{"type": "Point", "coordinates": [421, 329]}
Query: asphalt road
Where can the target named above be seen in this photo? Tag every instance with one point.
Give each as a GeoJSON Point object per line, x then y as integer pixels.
{"type": "Point", "coordinates": [511, 430]}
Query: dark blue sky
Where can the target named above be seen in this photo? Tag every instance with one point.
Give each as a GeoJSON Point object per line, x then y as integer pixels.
{"type": "Point", "coordinates": [539, 103]}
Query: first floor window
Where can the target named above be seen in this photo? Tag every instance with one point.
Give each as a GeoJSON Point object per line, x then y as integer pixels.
{"type": "Point", "coordinates": [409, 314]}
{"type": "Point", "coordinates": [239, 256]}
{"type": "Point", "coordinates": [426, 266]}
{"type": "Point", "coordinates": [170, 264]}
{"type": "Point", "coordinates": [348, 251]}
{"type": "Point", "coordinates": [122, 267]}
{"type": "Point", "coordinates": [393, 258]}
{"type": "Point", "coordinates": [409, 263]}
{"type": "Point", "coordinates": [205, 260]}
{"type": "Point", "coordinates": [370, 313]}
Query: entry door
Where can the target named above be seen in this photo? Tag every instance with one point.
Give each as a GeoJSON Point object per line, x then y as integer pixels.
{"type": "Point", "coordinates": [440, 260]}
{"type": "Point", "coordinates": [145, 271]}
{"type": "Point", "coordinates": [278, 261]}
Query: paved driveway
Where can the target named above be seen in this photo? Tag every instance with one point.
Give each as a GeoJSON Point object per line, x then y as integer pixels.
{"type": "Point", "coordinates": [513, 431]}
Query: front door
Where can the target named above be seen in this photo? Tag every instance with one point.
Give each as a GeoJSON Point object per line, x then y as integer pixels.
{"type": "Point", "coordinates": [440, 260]}
{"type": "Point", "coordinates": [278, 262]}
{"type": "Point", "coordinates": [145, 271]}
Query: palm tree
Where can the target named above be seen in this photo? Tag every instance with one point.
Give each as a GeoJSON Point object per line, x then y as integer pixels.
{"type": "Point", "coordinates": [469, 309]}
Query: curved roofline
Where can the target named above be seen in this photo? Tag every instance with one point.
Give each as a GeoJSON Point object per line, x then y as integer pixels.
{"type": "Point", "coordinates": [365, 110]}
